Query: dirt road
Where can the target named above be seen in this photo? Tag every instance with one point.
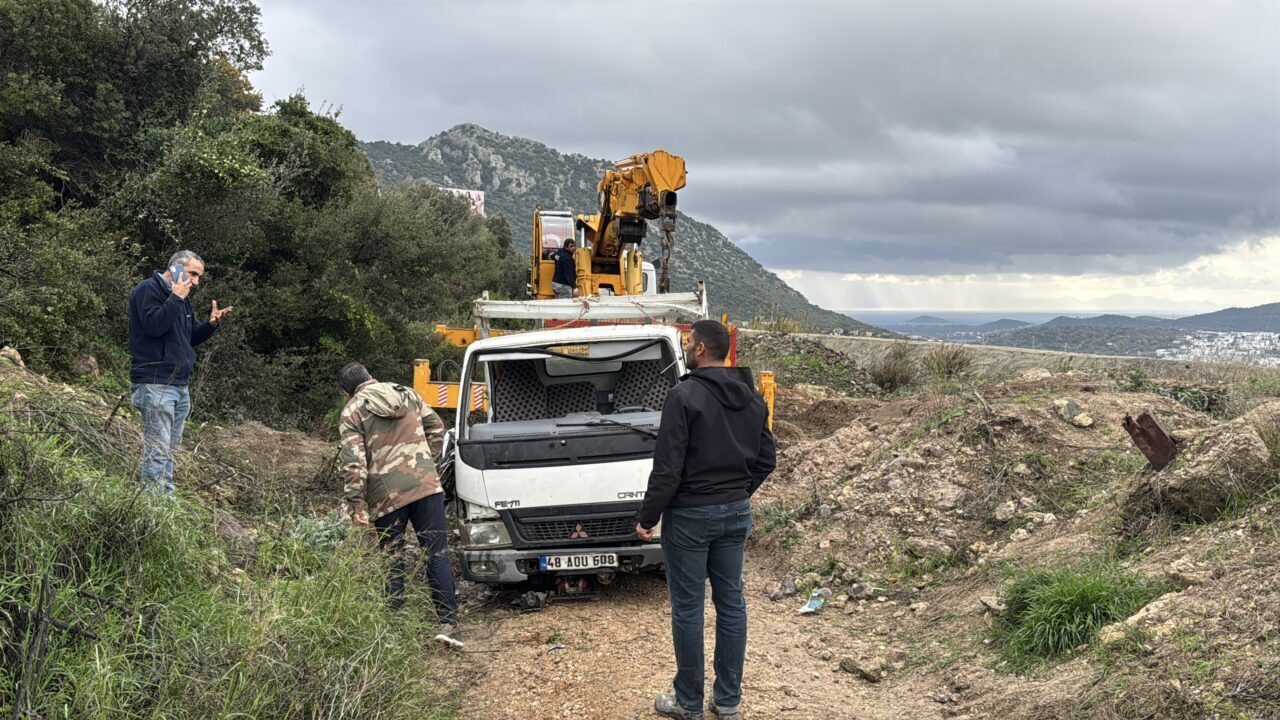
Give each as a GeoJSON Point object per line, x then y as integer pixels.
{"type": "Point", "coordinates": [616, 656]}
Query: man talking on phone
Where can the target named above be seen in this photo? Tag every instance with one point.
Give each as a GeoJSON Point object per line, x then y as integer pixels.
{"type": "Point", "coordinates": [163, 333]}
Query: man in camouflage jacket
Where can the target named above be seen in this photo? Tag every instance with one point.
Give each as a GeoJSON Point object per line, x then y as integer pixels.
{"type": "Point", "coordinates": [390, 479]}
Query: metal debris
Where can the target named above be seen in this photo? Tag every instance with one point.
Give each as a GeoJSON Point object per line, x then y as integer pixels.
{"type": "Point", "coordinates": [1152, 439]}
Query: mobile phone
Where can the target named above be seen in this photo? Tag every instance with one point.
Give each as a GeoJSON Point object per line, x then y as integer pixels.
{"type": "Point", "coordinates": [178, 273]}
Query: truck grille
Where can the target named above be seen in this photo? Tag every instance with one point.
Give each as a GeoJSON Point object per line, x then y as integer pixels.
{"type": "Point", "coordinates": [586, 530]}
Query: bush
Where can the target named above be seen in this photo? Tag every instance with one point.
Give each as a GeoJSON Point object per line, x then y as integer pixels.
{"type": "Point", "coordinates": [783, 324]}
{"type": "Point", "coordinates": [896, 370]}
{"type": "Point", "coordinates": [946, 363]}
{"type": "Point", "coordinates": [1050, 611]}
{"type": "Point", "coordinates": [176, 630]}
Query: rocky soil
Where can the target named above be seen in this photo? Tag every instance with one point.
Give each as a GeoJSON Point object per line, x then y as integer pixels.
{"type": "Point", "coordinates": [912, 512]}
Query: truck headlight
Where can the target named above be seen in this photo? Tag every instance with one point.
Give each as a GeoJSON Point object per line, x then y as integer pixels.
{"type": "Point", "coordinates": [487, 533]}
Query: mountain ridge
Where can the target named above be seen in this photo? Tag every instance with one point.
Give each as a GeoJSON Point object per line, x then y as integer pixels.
{"type": "Point", "coordinates": [1259, 318]}
{"type": "Point", "coordinates": [518, 174]}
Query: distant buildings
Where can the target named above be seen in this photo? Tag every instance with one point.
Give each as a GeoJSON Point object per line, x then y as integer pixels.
{"type": "Point", "coordinates": [1258, 348]}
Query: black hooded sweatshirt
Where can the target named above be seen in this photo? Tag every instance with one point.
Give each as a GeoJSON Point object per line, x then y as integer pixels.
{"type": "Point", "coordinates": [714, 446]}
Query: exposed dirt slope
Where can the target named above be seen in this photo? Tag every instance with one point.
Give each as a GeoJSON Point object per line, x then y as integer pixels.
{"type": "Point", "coordinates": [913, 511]}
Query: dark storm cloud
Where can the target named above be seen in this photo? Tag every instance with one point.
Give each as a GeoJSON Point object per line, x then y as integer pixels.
{"type": "Point", "coordinates": [892, 137]}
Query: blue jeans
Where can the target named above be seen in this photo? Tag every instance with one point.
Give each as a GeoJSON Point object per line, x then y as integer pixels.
{"type": "Point", "coordinates": [700, 543]}
{"type": "Point", "coordinates": [164, 411]}
{"type": "Point", "coordinates": [427, 516]}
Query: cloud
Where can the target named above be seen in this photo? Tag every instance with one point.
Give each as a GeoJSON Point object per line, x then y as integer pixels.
{"type": "Point", "coordinates": [925, 138]}
{"type": "Point", "coordinates": [1242, 275]}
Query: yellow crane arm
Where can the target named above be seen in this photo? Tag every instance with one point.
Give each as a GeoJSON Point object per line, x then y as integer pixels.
{"type": "Point", "coordinates": [641, 188]}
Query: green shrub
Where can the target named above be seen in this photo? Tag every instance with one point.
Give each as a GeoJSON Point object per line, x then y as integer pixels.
{"type": "Point", "coordinates": [1050, 611]}
{"type": "Point", "coordinates": [177, 630]}
{"type": "Point", "coordinates": [945, 363]}
{"type": "Point", "coordinates": [896, 370]}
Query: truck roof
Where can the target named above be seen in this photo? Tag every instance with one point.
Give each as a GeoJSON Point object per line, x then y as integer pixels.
{"type": "Point", "coordinates": [560, 336]}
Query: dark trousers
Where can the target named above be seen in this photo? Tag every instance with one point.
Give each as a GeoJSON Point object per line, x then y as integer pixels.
{"type": "Point", "coordinates": [427, 516]}
{"type": "Point", "coordinates": [700, 543]}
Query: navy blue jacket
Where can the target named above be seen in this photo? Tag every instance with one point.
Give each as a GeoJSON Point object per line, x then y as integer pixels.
{"type": "Point", "coordinates": [566, 268]}
{"type": "Point", "coordinates": [714, 446]}
{"type": "Point", "coordinates": [163, 334]}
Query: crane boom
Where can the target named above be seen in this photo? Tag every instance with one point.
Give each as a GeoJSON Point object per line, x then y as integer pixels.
{"type": "Point", "coordinates": [641, 188]}
{"type": "Point", "coordinates": [608, 258]}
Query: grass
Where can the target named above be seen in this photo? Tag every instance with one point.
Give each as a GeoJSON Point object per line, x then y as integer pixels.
{"type": "Point", "coordinates": [784, 324]}
{"type": "Point", "coordinates": [1050, 611]}
{"type": "Point", "coordinates": [896, 370]}
{"type": "Point", "coordinates": [1067, 487]}
{"type": "Point", "coordinates": [1210, 399]}
{"type": "Point", "coordinates": [946, 363]}
{"type": "Point", "coordinates": [178, 631]}
{"type": "Point", "coordinates": [778, 515]}
{"type": "Point", "coordinates": [911, 569]}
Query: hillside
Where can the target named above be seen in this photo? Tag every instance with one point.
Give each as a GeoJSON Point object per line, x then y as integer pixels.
{"type": "Point", "coordinates": [1106, 321]}
{"type": "Point", "coordinates": [1094, 339]}
{"type": "Point", "coordinates": [938, 328]}
{"type": "Point", "coordinates": [1002, 325]}
{"type": "Point", "coordinates": [1261, 318]}
{"type": "Point", "coordinates": [518, 174]}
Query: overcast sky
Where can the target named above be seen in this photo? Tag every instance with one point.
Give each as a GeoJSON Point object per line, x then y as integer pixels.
{"type": "Point", "coordinates": [975, 155]}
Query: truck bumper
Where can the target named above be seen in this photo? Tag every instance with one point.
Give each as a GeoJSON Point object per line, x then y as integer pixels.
{"type": "Point", "coordinates": [509, 566]}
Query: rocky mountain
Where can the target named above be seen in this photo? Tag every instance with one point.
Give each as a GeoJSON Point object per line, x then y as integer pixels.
{"type": "Point", "coordinates": [517, 175]}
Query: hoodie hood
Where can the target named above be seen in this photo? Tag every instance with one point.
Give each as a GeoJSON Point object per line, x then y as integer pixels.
{"type": "Point", "coordinates": [383, 399]}
{"type": "Point", "coordinates": [726, 386]}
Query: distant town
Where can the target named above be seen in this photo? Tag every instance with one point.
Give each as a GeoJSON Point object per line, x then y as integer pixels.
{"type": "Point", "coordinates": [1261, 348]}
{"type": "Point", "coordinates": [1248, 335]}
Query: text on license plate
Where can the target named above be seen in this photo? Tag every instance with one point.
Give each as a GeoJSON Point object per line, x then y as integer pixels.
{"type": "Point", "coordinates": [578, 562]}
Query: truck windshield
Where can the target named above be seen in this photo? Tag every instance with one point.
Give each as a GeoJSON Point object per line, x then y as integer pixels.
{"type": "Point", "coordinates": [555, 230]}
{"type": "Point", "coordinates": [622, 382]}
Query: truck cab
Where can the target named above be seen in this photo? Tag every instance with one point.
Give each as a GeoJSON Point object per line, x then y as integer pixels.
{"type": "Point", "coordinates": [551, 472]}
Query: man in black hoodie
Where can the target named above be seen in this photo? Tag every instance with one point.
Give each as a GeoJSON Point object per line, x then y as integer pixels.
{"type": "Point", "coordinates": [163, 334]}
{"type": "Point", "coordinates": [714, 450]}
{"type": "Point", "coordinates": [565, 278]}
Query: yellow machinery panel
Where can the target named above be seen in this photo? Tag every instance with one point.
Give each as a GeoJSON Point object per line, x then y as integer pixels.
{"type": "Point", "coordinates": [444, 395]}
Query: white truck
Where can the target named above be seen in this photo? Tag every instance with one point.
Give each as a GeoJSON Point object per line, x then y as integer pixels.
{"type": "Point", "coordinates": [548, 477]}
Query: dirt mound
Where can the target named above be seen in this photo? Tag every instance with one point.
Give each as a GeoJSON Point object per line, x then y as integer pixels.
{"type": "Point", "coordinates": [798, 359]}
{"type": "Point", "coordinates": [811, 412]}
{"type": "Point", "coordinates": [826, 416]}
{"type": "Point", "coordinates": [246, 467]}
{"type": "Point", "coordinates": [1213, 466]}
{"type": "Point", "coordinates": [898, 479]}
{"type": "Point", "coordinates": [258, 465]}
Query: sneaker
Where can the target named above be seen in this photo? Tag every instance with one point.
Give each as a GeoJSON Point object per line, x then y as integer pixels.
{"type": "Point", "coordinates": [450, 635]}
{"type": "Point", "coordinates": [722, 712]}
{"type": "Point", "coordinates": [666, 706]}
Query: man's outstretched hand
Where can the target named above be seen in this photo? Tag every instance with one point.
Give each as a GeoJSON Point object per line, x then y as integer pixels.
{"type": "Point", "coordinates": [645, 535]}
{"type": "Point", "coordinates": [215, 316]}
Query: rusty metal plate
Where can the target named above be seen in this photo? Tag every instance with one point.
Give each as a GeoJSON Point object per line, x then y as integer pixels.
{"type": "Point", "coordinates": [1152, 439]}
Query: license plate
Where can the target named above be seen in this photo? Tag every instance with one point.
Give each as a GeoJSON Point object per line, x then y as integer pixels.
{"type": "Point", "coordinates": [578, 562]}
